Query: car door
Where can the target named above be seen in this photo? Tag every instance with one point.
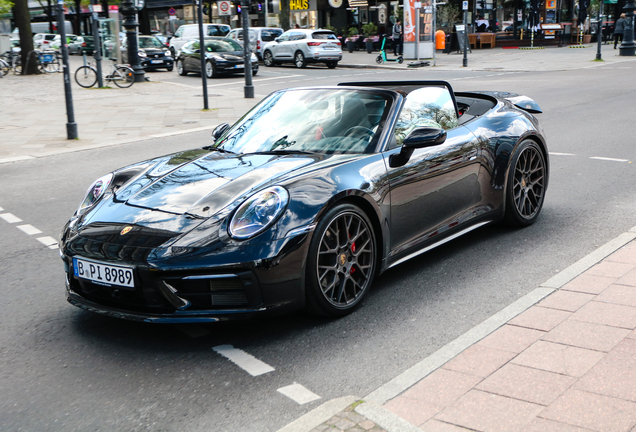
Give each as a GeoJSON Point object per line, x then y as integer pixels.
{"type": "Point", "coordinates": [192, 56]}
{"type": "Point", "coordinates": [437, 188]}
{"type": "Point", "coordinates": [280, 50]}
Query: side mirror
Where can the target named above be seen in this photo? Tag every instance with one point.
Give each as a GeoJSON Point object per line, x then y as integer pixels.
{"type": "Point", "coordinates": [219, 130]}
{"type": "Point", "coordinates": [418, 138]}
{"type": "Point", "coordinates": [277, 40]}
{"type": "Point", "coordinates": [424, 137]}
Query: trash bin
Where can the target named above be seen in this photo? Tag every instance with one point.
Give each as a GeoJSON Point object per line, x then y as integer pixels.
{"type": "Point", "coordinates": [440, 40]}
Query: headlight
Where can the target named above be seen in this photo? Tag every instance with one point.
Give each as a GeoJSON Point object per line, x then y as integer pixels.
{"type": "Point", "coordinates": [258, 213]}
{"type": "Point", "coordinates": [167, 53]}
{"type": "Point", "coordinates": [142, 54]}
{"type": "Point", "coordinates": [254, 58]}
{"type": "Point", "coordinates": [95, 192]}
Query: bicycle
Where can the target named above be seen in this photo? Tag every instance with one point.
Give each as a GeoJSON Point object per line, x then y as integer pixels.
{"type": "Point", "coordinates": [10, 61]}
{"type": "Point", "coordinates": [48, 61]}
{"type": "Point", "coordinates": [121, 75]}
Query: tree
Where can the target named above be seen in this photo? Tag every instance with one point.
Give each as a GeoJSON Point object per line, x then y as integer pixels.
{"type": "Point", "coordinates": [23, 22]}
{"type": "Point", "coordinates": [5, 6]}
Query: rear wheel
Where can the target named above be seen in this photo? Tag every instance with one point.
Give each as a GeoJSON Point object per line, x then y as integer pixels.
{"type": "Point", "coordinates": [123, 77]}
{"type": "Point", "coordinates": [525, 190]}
{"type": "Point", "coordinates": [51, 67]}
{"type": "Point", "coordinates": [299, 60]}
{"type": "Point", "coordinates": [341, 261]}
{"type": "Point", "coordinates": [400, 59]}
{"type": "Point", "coordinates": [85, 76]}
{"type": "Point", "coordinates": [268, 59]}
{"type": "Point", "coordinates": [379, 59]}
{"type": "Point", "coordinates": [332, 64]}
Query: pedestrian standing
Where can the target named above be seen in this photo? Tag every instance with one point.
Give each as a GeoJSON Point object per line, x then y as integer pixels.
{"type": "Point", "coordinates": [619, 29]}
{"type": "Point", "coordinates": [398, 38]}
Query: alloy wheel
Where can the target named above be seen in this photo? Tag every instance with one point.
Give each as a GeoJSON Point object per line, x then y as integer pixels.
{"type": "Point", "coordinates": [529, 182]}
{"type": "Point", "coordinates": [345, 260]}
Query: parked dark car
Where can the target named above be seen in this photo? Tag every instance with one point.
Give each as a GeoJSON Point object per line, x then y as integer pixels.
{"type": "Point", "coordinates": [81, 45]}
{"type": "Point", "coordinates": [303, 201]}
{"type": "Point", "coordinates": [153, 54]}
{"type": "Point", "coordinates": [223, 56]}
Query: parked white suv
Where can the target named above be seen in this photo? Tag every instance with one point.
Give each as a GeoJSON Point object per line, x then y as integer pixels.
{"type": "Point", "coordinates": [259, 37]}
{"type": "Point", "coordinates": [43, 40]}
{"type": "Point", "coordinates": [189, 32]}
{"type": "Point", "coordinates": [301, 46]}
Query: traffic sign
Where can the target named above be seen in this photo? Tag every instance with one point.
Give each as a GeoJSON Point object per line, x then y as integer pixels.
{"type": "Point", "coordinates": [224, 8]}
{"type": "Point", "coordinates": [172, 12]}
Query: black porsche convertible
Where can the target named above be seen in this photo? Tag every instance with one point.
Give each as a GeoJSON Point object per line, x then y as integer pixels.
{"type": "Point", "coordinates": [303, 201]}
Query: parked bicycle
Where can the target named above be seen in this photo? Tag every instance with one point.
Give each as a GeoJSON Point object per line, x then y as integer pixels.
{"type": "Point", "coordinates": [121, 75]}
{"type": "Point", "coordinates": [10, 61]}
{"type": "Point", "coordinates": [48, 61]}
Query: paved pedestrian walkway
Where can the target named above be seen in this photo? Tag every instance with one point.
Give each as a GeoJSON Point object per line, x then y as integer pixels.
{"type": "Point", "coordinates": [565, 360]}
{"type": "Point", "coordinates": [33, 113]}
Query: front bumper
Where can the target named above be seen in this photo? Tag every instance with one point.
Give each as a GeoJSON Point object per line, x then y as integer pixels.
{"type": "Point", "coordinates": [234, 67]}
{"type": "Point", "coordinates": [151, 63]}
{"type": "Point", "coordinates": [181, 290]}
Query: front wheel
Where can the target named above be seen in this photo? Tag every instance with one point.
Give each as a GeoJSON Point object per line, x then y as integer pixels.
{"type": "Point", "coordinates": [527, 182]}
{"type": "Point", "coordinates": [299, 60]}
{"type": "Point", "coordinates": [123, 77]}
{"type": "Point", "coordinates": [400, 59]}
{"type": "Point", "coordinates": [268, 59]}
{"type": "Point", "coordinates": [170, 68]}
{"type": "Point", "coordinates": [86, 76]}
{"type": "Point", "coordinates": [210, 70]}
{"type": "Point", "coordinates": [180, 69]}
{"type": "Point", "coordinates": [51, 67]}
{"type": "Point", "coordinates": [341, 261]}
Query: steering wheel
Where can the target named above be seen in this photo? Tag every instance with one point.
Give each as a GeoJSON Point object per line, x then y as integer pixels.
{"type": "Point", "coordinates": [360, 131]}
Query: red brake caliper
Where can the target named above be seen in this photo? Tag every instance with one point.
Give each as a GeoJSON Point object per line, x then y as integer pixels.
{"type": "Point", "coordinates": [353, 250]}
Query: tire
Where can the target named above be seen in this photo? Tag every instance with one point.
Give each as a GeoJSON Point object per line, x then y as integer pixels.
{"type": "Point", "coordinates": [526, 185]}
{"type": "Point", "coordinates": [254, 72]}
{"type": "Point", "coordinates": [52, 67]}
{"type": "Point", "coordinates": [85, 76]}
{"type": "Point", "coordinates": [180, 69]}
{"type": "Point", "coordinates": [268, 59]}
{"type": "Point", "coordinates": [124, 77]}
{"type": "Point", "coordinates": [210, 70]}
{"type": "Point", "coordinates": [169, 69]}
{"type": "Point", "coordinates": [400, 59]}
{"type": "Point", "coordinates": [4, 67]}
{"type": "Point", "coordinates": [299, 60]}
{"type": "Point", "coordinates": [332, 64]}
{"type": "Point", "coordinates": [379, 59]}
{"type": "Point", "coordinates": [173, 52]}
{"type": "Point", "coordinates": [341, 263]}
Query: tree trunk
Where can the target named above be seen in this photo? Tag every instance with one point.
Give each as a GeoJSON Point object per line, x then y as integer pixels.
{"type": "Point", "coordinates": [78, 17]}
{"type": "Point", "coordinates": [284, 14]}
{"type": "Point", "coordinates": [49, 14]}
{"type": "Point", "coordinates": [23, 23]}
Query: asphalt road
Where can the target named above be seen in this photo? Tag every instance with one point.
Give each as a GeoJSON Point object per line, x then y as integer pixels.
{"type": "Point", "coordinates": [63, 369]}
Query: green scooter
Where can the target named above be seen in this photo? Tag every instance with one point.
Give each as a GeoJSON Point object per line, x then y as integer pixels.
{"type": "Point", "coordinates": [382, 57]}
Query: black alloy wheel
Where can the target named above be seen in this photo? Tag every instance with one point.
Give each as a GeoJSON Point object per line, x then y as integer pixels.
{"type": "Point", "coordinates": [526, 185]}
{"type": "Point", "coordinates": [341, 261]}
{"type": "Point", "coordinates": [299, 60]}
{"type": "Point", "coordinates": [268, 59]}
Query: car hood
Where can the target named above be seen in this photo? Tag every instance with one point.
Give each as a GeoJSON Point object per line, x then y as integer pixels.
{"type": "Point", "coordinates": [229, 56]}
{"type": "Point", "coordinates": [151, 51]}
{"type": "Point", "coordinates": [205, 185]}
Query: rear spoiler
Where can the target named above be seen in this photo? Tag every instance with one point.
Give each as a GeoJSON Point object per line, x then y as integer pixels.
{"type": "Point", "coordinates": [520, 101]}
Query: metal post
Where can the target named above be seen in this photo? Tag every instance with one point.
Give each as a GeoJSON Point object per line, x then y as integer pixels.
{"type": "Point", "coordinates": [204, 79]}
{"type": "Point", "coordinates": [71, 126]}
{"type": "Point", "coordinates": [266, 13]}
{"type": "Point", "coordinates": [417, 34]}
{"type": "Point", "coordinates": [247, 52]}
{"type": "Point", "coordinates": [129, 11]}
{"type": "Point", "coordinates": [599, 34]}
{"type": "Point", "coordinates": [97, 46]}
{"type": "Point", "coordinates": [628, 47]}
{"type": "Point", "coordinates": [465, 60]}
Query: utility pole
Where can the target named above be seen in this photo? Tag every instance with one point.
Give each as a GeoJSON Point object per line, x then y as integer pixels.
{"type": "Point", "coordinates": [247, 51]}
{"type": "Point", "coordinates": [71, 126]}
{"type": "Point", "coordinates": [97, 43]}
{"type": "Point", "coordinates": [204, 78]}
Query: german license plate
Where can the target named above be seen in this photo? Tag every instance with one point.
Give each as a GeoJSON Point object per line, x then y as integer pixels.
{"type": "Point", "coordinates": [156, 61]}
{"type": "Point", "coordinates": [238, 66]}
{"type": "Point", "coordinates": [329, 47]}
{"type": "Point", "coordinates": [103, 273]}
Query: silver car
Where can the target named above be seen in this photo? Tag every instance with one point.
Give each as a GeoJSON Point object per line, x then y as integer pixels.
{"type": "Point", "coordinates": [300, 46]}
{"type": "Point", "coordinates": [259, 36]}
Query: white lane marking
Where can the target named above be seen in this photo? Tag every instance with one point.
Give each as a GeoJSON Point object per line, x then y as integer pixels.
{"type": "Point", "coordinates": [597, 158]}
{"type": "Point", "coordinates": [299, 394]}
{"type": "Point", "coordinates": [245, 361]}
{"type": "Point", "coordinates": [29, 229]}
{"type": "Point", "coordinates": [10, 218]}
{"type": "Point", "coordinates": [561, 154]}
{"type": "Point", "coordinates": [47, 241]}
{"type": "Point", "coordinates": [1, 209]}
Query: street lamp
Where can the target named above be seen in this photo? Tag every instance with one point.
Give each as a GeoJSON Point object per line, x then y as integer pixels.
{"type": "Point", "coordinates": [129, 10]}
{"type": "Point", "coordinates": [628, 47]}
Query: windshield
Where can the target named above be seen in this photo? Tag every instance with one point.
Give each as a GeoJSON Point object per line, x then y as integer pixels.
{"type": "Point", "coordinates": [310, 120]}
{"type": "Point", "coordinates": [222, 46]}
{"type": "Point", "coordinates": [150, 42]}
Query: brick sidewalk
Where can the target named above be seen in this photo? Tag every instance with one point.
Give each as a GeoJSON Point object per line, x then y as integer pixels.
{"type": "Point", "coordinates": [568, 363]}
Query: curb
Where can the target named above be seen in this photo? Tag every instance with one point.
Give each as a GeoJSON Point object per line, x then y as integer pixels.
{"type": "Point", "coordinates": [371, 406]}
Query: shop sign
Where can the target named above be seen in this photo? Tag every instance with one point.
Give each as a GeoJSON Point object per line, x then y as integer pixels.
{"type": "Point", "coordinates": [224, 8]}
{"type": "Point", "coordinates": [298, 4]}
